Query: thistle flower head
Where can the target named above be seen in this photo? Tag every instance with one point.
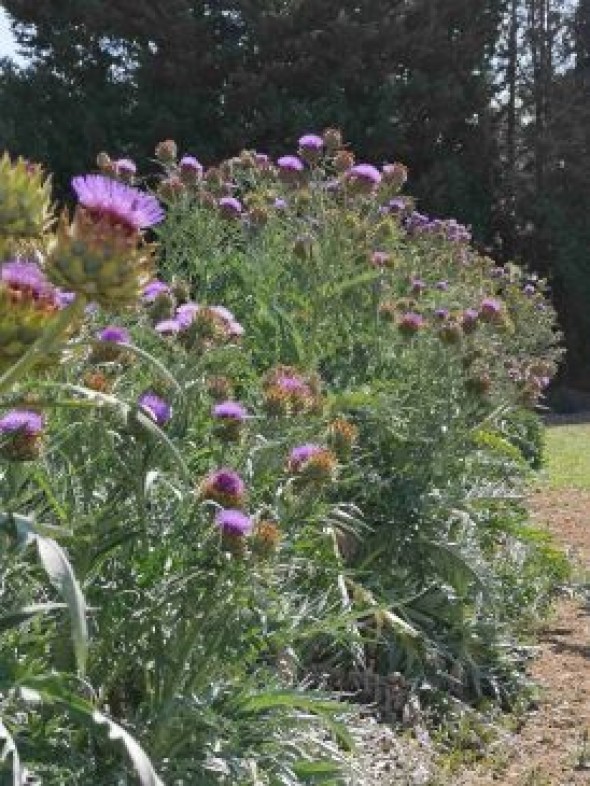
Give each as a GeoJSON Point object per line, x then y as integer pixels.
{"type": "Point", "coordinates": [291, 164]}
{"type": "Point", "coordinates": [312, 463]}
{"type": "Point", "coordinates": [365, 176]}
{"type": "Point", "coordinates": [28, 305]}
{"type": "Point", "coordinates": [490, 308]}
{"type": "Point", "coordinates": [115, 334]}
{"type": "Point", "coordinates": [157, 408]}
{"type": "Point", "coordinates": [230, 410]}
{"type": "Point", "coordinates": [168, 327]}
{"type": "Point", "coordinates": [410, 323]}
{"type": "Point", "coordinates": [469, 320]}
{"type": "Point", "coordinates": [234, 522]}
{"type": "Point", "coordinates": [292, 383]}
{"type": "Point", "coordinates": [311, 142]}
{"type": "Point", "coordinates": [395, 173]}
{"type": "Point", "coordinates": [27, 278]}
{"type": "Point", "coordinates": [21, 433]}
{"type": "Point", "coordinates": [224, 486]}
{"type": "Point", "coordinates": [230, 207]}
{"type": "Point", "coordinates": [191, 164]}
{"type": "Point", "coordinates": [301, 454]}
{"type": "Point", "coordinates": [121, 204]}
{"type": "Point", "coordinates": [267, 538]}
{"type": "Point", "coordinates": [380, 259]}
{"type": "Point", "coordinates": [22, 421]}
{"type": "Point", "coordinates": [332, 138]}
{"type": "Point", "coordinates": [25, 200]}
{"type": "Point", "coordinates": [186, 314]}
{"type": "Point", "coordinates": [125, 168]}
{"type": "Point", "coordinates": [153, 289]}
{"type": "Point", "coordinates": [64, 298]}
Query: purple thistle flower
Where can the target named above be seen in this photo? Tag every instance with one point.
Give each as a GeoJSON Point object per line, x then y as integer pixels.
{"type": "Point", "coordinates": [417, 285]}
{"type": "Point", "coordinates": [233, 522]}
{"type": "Point", "coordinates": [168, 327]}
{"type": "Point", "coordinates": [107, 198]}
{"type": "Point", "coordinates": [234, 329]}
{"type": "Point", "coordinates": [190, 165]}
{"type": "Point", "coordinates": [441, 313]}
{"type": "Point", "coordinates": [22, 421]}
{"type": "Point", "coordinates": [153, 289]}
{"type": "Point", "coordinates": [291, 383]}
{"type": "Point", "coordinates": [125, 167]}
{"type": "Point", "coordinates": [230, 206]}
{"type": "Point", "coordinates": [366, 174]}
{"type": "Point", "coordinates": [230, 410]}
{"type": "Point", "coordinates": [159, 410]}
{"type": "Point", "coordinates": [26, 276]}
{"type": "Point", "coordinates": [380, 258]}
{"type": "Point", "coordinates": [397, 205]}
{"type": "Point", "coordinates": [416, 222]}
{"type": "Point", "coordinates": [490, 307]}
{"type": "Point", "coordinates": [291, 164]}
{"type": "Point", "coordinates": [186, 314]}
{"type": "Point", "coordinates": [64, 299]}
{"type": "Point", "coordinates": [302, 454]}
{"type": "Point", "coordinates": [442, 285]}
{"type": "Point", "coordinates": [469, 320]}
{"type": "Point", "coordinates": [529, 290]}
{"type": "Point", "coordinates": [118, 335]}
{"type": "Point", "coordinates": [280, 204]}
{"type": "Point", "coordinates": [226, 481]}
{"type": "Point", "coordinates": [411, 322]}
{"type": "Point", "coordinates": [311, 142]}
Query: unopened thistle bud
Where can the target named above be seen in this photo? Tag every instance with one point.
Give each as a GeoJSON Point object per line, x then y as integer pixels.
{"type": "Point", "coordinates": [343, 160]}
{"type": "Point", "coordinates": [171, 187]}
{"type": "Point", "coordinates": [332, 139]}
{"type": "Point", "coordinates": [167, 151]}
{"type": "Point", "coordinates": [98, 381]}
{"type": "Point", "coordinates": [395, 175]}
{"type": "Point", "coordinates": [25, 203]}
{"type": "Point", "coordinates": [451, 333]}
{"type": "Point", "coordinates": [342, 435]}
{"type": "Point", "coordinates": [105, 163]}
{"type": "Point", "coordinates": [266, 538]}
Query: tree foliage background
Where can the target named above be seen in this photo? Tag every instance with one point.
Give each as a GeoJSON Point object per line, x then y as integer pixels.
{"type": "Point", "coordinates": [485, 100]}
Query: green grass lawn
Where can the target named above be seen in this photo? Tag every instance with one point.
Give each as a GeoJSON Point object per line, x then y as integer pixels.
{"type": "Point", "coordinates": [567, 457]}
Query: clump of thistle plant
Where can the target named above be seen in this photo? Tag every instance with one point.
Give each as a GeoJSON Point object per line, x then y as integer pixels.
{"type": "Point", "coordinates": [275, 445]}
